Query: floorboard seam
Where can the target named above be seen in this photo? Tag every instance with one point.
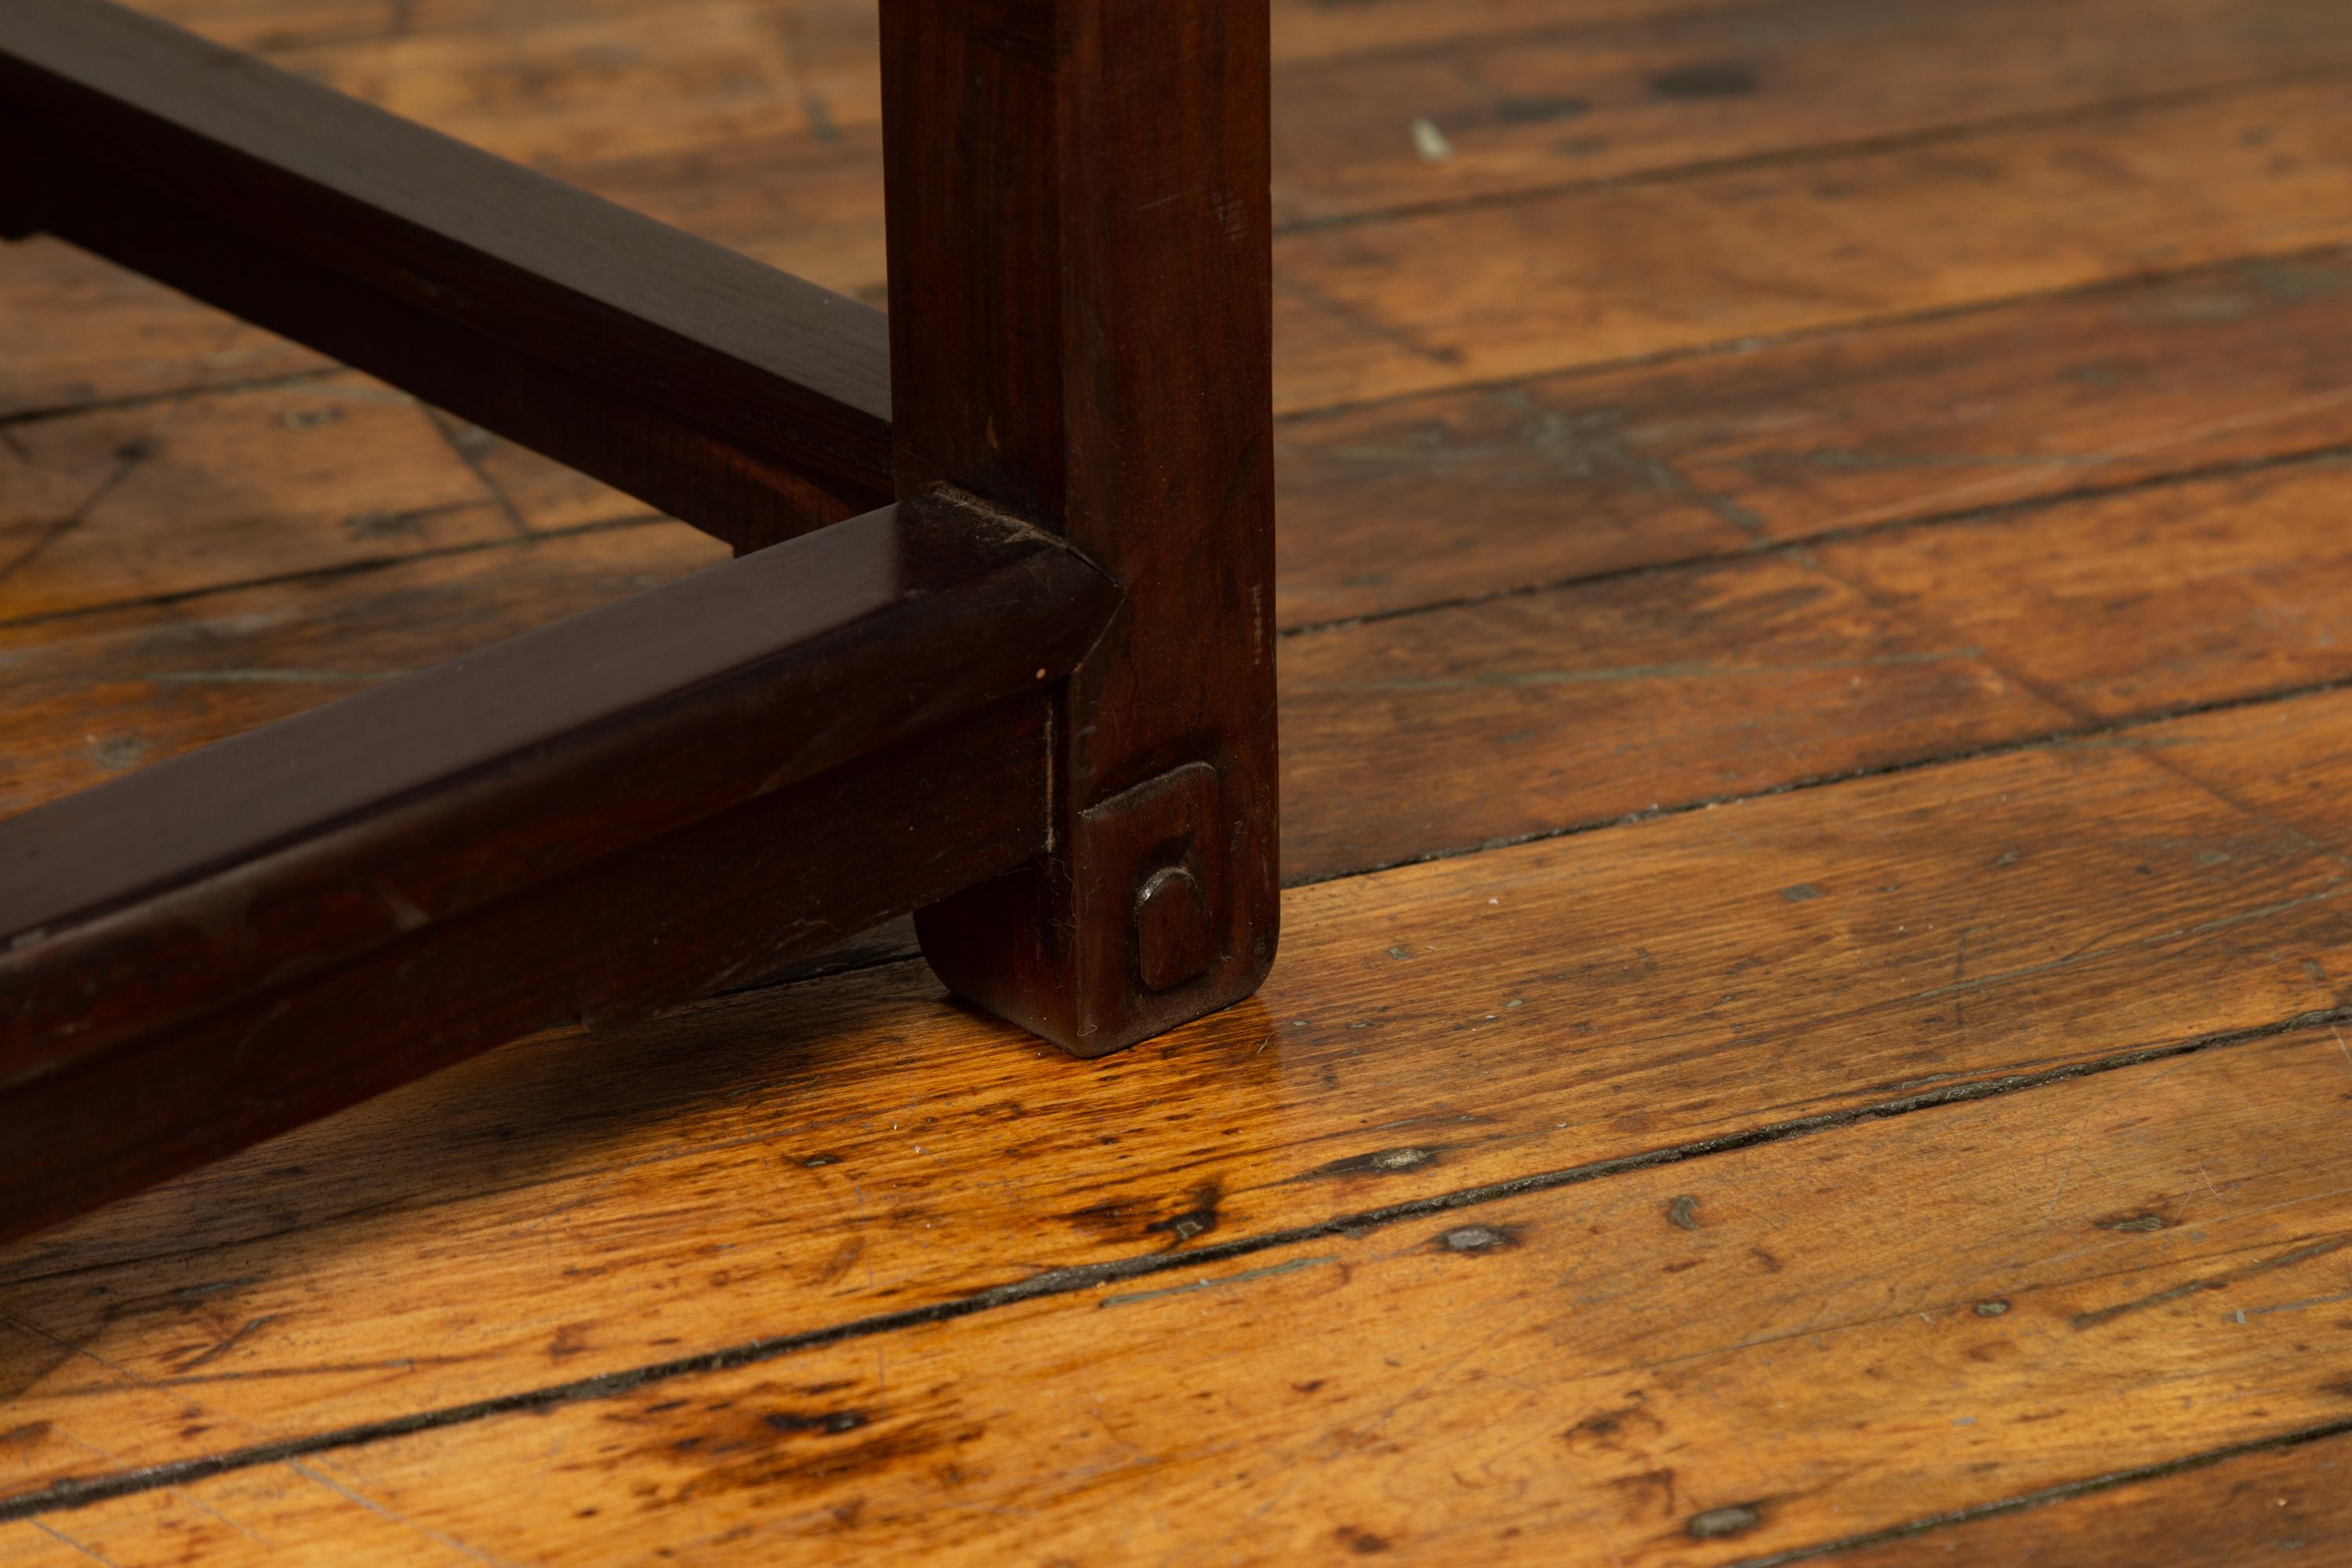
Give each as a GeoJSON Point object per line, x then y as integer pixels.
{"type": "Point", "coordinates": [1984, 511]}
{"type": "Point", "coordinates": [341, 570]}
{"type": "Point", "coordinates": [1918, 137]}
{"type": "Point", "coordinates": [1446, 46]}
{"type": "Point", "coordinates": [1960, 516]}
{"type": "Point", "coordinates": [44, 413]}
{"type": "Point", "coordinates": [2043, 741]}
{"type": "Point", "coordinates": [2064, 1492]}
{"type": "Point", "coordinates": [458, 435]}
{"type": "Point", "coordinates": [68, 1495]}
{"type": "Point", "coordinates": [2048, 739]}
{"type": "Point", "coordinates": [2137, 281]}
{"type": "Point", "coordinates": [1757, 342]}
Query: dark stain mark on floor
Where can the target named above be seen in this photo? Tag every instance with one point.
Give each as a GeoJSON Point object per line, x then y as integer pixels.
{"type": "Point", "coordinates": [830, 1421]}
{"type": "Point", "coordinates": [1198, 1220]}
{"type": "Point", "coordinates": [1622, 1430]}
{"type": "Point", "coordinates": [1539, 111]}
{"type": "Point", "coordinates": [1712, 79]}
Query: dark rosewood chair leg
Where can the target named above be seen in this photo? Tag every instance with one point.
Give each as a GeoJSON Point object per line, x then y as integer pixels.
{"type": "Point", "coordinates": [1080, 333]}
{"type": "Point", "coordinates": [599, 820]}
{"type": "Point", "coordinates": [1033, 700]}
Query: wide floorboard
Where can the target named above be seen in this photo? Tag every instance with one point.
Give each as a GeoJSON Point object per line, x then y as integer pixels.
{"type": "Point", "coordinates": [1816, 700]}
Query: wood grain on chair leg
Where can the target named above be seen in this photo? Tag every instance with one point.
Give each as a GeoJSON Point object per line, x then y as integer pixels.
{"type": "Point", "coordinates": [1080, 332]}
{"type": "Point", "coordinates": [617, 813]}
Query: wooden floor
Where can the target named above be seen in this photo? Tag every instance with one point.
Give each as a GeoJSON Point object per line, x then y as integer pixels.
{"type": "Point", "coordinates": [1817, 713]}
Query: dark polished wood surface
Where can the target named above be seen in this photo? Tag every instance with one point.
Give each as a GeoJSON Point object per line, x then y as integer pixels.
{"type": "Point", "coordinates": [616, 814]}
{"type": "Point", "coordinates": [1813, 626]}
{"type": "Point", "coordinates": [1080, 234]}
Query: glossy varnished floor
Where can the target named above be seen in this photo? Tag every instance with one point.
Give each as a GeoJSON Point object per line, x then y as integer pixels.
{"type": "Point", "coordinates": [1818, 773]}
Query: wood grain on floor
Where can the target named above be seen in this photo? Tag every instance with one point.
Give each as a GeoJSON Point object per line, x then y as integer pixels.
{"type": "Point", "coordinates": [1816, 692]}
